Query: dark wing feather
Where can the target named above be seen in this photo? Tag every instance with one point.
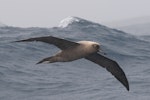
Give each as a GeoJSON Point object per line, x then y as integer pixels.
{"type": "Point", "coordinates": [111, 66]}
{"type": "Point", "coordinates": [60, 43]}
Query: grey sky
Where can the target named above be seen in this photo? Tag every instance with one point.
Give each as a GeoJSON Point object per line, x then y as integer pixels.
{"type": "Point", "coordinates": [48, 13]}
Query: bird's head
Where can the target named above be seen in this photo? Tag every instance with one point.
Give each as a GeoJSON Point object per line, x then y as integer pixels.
{"type": "Point", "coordinates": [91, 47]}
{"type": "Point", "coordinates": [96, 46]}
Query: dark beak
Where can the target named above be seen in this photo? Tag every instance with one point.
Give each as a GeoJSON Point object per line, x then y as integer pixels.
{"type": "Point", "coordinates": [102, 52]}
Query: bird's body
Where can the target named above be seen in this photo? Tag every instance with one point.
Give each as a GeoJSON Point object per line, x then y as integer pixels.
{"type": "Point", "coordinates": [74, 52]}
{"type": "Point", "coordinates": [71, 51]}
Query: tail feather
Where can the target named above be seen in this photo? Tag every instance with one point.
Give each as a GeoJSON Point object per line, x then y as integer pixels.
{"type": "Point", "coordinates": [49, 59]}
{"type": "Point", "coordinates": [40, 62]}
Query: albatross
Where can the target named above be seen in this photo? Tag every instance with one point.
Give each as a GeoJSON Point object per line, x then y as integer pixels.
{"type": "Point", "coordinates": [89, 50]}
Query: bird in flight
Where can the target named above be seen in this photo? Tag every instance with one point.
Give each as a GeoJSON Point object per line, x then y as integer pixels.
{"type": "Point", "coordinates": [89, 50]}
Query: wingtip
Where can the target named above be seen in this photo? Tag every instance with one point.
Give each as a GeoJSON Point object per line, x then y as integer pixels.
{"type": "Point", "coordinates": [126, 84]}
{"type": "Point", "coordinates": [19, 41]}
{"type": "Point", "coordinates": [127, 87]}
{"type": "Point", "coordinates": [16, 41]}
{"type": "Point", "coordinates": [26, 40]}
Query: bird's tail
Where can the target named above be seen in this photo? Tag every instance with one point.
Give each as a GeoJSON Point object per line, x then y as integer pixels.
{"type": "Point", "coordinates": [48, 60]}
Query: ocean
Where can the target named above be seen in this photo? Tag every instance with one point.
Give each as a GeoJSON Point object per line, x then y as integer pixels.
{"type": "Point", "coordinates": [22, 79]}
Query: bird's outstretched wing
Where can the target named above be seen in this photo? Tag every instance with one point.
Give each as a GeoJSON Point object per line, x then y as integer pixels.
{"type": "Point", "coordinates": [107, 63]}
{"type": "Point", "coordinates": [111, 66]}
{"type": "Point", "coordinates": [60, 43]}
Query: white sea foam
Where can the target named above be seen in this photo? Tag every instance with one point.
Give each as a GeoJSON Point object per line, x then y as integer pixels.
{"type": "Point", "coordinates": [67, 21]}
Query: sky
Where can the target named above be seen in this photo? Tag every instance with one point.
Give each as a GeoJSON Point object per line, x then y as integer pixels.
{"type": "Point", "coordinates": [48, 13]}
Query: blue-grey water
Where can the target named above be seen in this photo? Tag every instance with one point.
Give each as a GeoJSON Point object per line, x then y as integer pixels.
{"type": "Point", "coordinates": [22, 79]}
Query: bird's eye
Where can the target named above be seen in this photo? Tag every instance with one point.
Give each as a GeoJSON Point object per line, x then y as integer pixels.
{"type": "Point", "coordinates": [96, 46]}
